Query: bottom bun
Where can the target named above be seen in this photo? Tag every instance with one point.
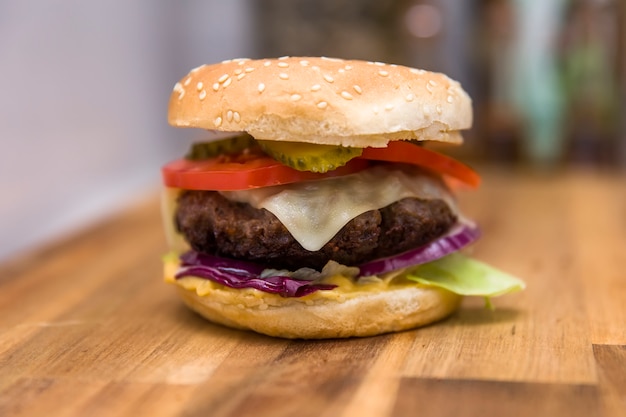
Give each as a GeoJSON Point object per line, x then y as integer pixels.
{"type": "Point", "coordinates": [364, 313]}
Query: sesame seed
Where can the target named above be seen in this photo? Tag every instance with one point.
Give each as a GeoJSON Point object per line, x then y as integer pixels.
{"type": "Point", "coordinates": [284, 57]}
{"type": "Point", "coordinates": [348, 67]}
{"type": "Point", "coordinates": [450, 99]}
{"type": "Point", "coordinates": [238, 71]}
{"type": "Point", "coordinates": [283, 76]}
{"type": "Point", "coordinates": [429, 88]}
{"type": "Point", "coordinates": [249, 69]}
{"type": "Point", "coordinates": [380, 64]}
{"type": "Point", "coordinates": [237, 117]}
{"type": "Point", "coordinates": [304, 63]}
{"type": "Point", "coordinates": [295, 97]}
{"type": "Point", "coordinates": [389, 107]}
{"type": "Point", "coordinates": [283, 64]}
{"type": "Point", "coordinates": [187, 81]}
{"type": "Point", "coordinates": [223, 78]}
{"type": "Point", "coordinates": [240, 76]}
{"type": "Point", "coordinates": [315, 67]}
{"type": "Point", "coordinates": [438, 108]}
{"type": "Point", "coordinates": [433, 83]}
{"type": "Point", "coordinates": [346, 95]}
{"type": "Point", "coordinates": [416, 71]}
{"type": "Point", "coordinates": [316, 87]}
{"type": "Point", "coordinates": [199, 86]}
{"type": "Point", "coordinates": [227, 82]}
{"type": "Point", "coordinates": [329, 78]}
{"type": "Point", "coordinates": [180, 90]}
{"type": "Point", "coordinates": [383, 73]}
{"type": "Point", "coordinates": [267, 63]}
{"type": "Point", "coordinates": [229, 115]}
{"type": "Point", "coordinates": [358, 89]}
{"type": "Point", "coordinates": [410, 97]}
{"type": "Point", "coordinates": [341, 70]}
{"type": "Point", "coordinates": [322, 104]}
{"type": "Point", "coordinates": [202, 95]}
{"type": "Point", "coordinates": [216, 86]}
{"type": "Point", "coordinates": [261, 87]}
{"type": "Point", "coordinates": [218, 121]}
{"type": "Point", "coordinates": [242, 61]}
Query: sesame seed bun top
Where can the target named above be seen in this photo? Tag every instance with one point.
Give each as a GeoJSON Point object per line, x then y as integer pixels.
{"type": "Point", "coordinates": [322, 100]}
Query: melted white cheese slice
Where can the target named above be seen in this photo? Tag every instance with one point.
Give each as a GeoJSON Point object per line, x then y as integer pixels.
{"type": "Point", "coordinates": [315, 211]}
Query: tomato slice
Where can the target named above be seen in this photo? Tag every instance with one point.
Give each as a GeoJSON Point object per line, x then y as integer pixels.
{"type": "Point", "coordinates": [409, 153]}
{"type": "Point", "coordinates": [219, 174]}
{"type": "Point", "coordinates": [258, 170]}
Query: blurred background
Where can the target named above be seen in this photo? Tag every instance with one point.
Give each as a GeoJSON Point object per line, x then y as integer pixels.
{"type": "Point", "coordinates": [84, 85]}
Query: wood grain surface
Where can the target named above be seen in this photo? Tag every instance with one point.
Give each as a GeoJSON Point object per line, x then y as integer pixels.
{"type": "Point", "coordinates": [88, 328]}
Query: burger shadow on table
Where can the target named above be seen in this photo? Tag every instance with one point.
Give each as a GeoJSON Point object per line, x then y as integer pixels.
{"type": "Point", "coordinates": [479, 315]}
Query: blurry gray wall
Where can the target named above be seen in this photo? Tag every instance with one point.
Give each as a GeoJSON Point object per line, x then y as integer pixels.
{"type": "Point", "coordinates": [85, 85]}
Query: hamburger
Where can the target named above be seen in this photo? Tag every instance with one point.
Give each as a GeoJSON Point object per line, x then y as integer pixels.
{"type": "Point", "coordinates": [315, 209]}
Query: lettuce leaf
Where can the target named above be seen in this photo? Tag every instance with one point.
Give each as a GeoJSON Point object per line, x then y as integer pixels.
{"type": "Point", "coordinates": [465, 276]}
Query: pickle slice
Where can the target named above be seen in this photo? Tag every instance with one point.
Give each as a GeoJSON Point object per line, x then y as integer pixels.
{"type": "Point", "coordinates": [309, 156]}
{"type": "Point", "coordinates": [228, 146]}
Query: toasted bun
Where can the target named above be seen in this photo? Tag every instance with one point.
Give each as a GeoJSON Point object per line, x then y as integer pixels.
{"type": "Point", "coordinates": [322, 100]}
{"type": "Point", "coordinates": [365, 313]}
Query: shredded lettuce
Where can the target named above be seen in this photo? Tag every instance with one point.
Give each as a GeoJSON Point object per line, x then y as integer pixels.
{"type": "Point", "coordinates": [466, 276]}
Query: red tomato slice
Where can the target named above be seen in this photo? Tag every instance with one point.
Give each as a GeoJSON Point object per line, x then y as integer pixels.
{"type": "Point", "coordinates": [252, 172]}
{"type": "Point", "coordinates": [409, 153]}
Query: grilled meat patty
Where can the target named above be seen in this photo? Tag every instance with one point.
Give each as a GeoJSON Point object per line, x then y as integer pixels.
{"type": "Point", "coordinates": [215, 225]}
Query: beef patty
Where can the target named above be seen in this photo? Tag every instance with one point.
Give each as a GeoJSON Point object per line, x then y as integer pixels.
{"type": "Point", "coordinates": [212, 224]}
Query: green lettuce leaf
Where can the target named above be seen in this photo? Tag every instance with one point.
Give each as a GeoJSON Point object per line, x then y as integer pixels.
{"type": "Point", "coordinates": [466, 276]}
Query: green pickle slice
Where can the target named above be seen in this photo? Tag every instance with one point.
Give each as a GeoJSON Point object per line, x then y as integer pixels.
{"type": "Point", "coordinates": [309, 156]}
{"type": "Point", "coordinates": [228, 146]}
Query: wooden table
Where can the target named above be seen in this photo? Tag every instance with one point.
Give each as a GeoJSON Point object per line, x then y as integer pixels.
{"type": "Point", "coordinates": [87, 327]}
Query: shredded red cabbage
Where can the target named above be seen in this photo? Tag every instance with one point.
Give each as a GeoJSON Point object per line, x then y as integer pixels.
{"type": "Point", "coordinates": [240, 274]}
{"type": "Point", "coordinates": [459, 236]}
